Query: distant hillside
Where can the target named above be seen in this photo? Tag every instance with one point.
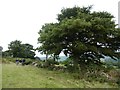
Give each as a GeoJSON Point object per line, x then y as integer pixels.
{"type": "Point", "coordinates": [106, 59]}
{"type": "Point", "coordinates": [110, 60]}
{"type": "Point", "coordinates": [62, 58]}
{"type": "Point", "coordinates": [42, 58]}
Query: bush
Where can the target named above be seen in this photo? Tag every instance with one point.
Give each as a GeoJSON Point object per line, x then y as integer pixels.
{"type": "Point", "coordinates": [50, 62]}
{"type": "Point", "coordinates": [4, 60]}
{"type": "Point", "coordinates": [28, 62]}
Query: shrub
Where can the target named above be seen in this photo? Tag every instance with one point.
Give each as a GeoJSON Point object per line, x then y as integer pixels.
{"type": "Point", "coordinates": [28, 62]}
{"type": "Point", "coordinates": [4, 60]}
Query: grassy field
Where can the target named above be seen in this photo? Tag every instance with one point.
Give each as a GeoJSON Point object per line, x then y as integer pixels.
{"type": "Point", "coordinates": [14, 76]}
{"type": "Point", "coordinates": [0, 72]}
{"type": "Point", "coordinates": [0, 76]}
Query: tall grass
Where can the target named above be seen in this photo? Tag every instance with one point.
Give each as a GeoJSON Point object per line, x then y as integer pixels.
{"type": "Point", "coordinates": [32, 77]}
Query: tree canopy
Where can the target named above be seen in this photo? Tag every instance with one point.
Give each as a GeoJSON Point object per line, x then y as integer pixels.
{"type": "Point", "coordinates": [82, 35]}
{"type": "Point", "coordinates": [17, 49]}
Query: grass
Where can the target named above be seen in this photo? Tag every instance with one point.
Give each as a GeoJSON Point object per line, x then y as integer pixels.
{"type": "Point", "coordinates": [0, 76]}
{"type": "Point", "coordinates": [0, 72]}
{"type": "Point", "coordinates": [14, 76]}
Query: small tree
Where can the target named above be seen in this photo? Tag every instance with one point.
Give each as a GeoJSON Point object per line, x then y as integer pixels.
{"type": "Point", "coordinates": [17, 49]}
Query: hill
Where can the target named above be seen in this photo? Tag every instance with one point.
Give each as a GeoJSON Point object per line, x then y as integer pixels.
{"type": "Point", "coordinates": [62, 58]}
{"type": "Point", "coordinates": [14, 76]}
{"type": "Point", "coordinates": [106, 59]}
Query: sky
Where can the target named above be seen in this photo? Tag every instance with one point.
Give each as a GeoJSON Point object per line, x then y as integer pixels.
{"type": "Point", "coordinates": [22, 19]}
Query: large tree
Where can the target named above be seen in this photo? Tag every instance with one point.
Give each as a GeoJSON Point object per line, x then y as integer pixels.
{"type": "Point", "coordinates": [17, 49]}
{"type": "Point", "coordinates": [82, 35]}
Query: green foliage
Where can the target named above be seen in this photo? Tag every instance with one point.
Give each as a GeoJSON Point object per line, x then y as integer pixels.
{"type": "Point", "coordinates": [9, 60]}
{"type": "Point", "coordinates": [83, 35]}
{"type": "Point", "coordinates": [5, 60]}
{"type": "Point", "coordinates": [28, 61]}
{"type": "Point", "coordinates": [93, 73]}
{"type": "Point", "coordinates": [28, 51]}
{"type": "Point", "coordinates": [50, 64]}
{"type": "Point", "coordinates": [68, 13]}
{"type": "Point", "coordinates": [67, 61]}
{"type": "Point", "coordinates": [17, 49]}
{"type": "Point", "coordinates": [6, 53]}
{"type": "Point", "coordinates": [31, 77]}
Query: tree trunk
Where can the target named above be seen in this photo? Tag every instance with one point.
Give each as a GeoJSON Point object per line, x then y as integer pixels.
{"type": "Point", "coordinates": [54, 57]}
{"type": "Point", "coordinates": [75, 62]}
{"type": "Point", "coordinates": [46, 56]}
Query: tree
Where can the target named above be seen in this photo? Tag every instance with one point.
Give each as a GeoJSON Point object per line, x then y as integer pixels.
{"type": "Point", "coordinates": [28, 51]}
{"type": "Point", "coordinates": [48, 41]}
{"type": "Point", "coordinates": [7, 53]}
{"type": "Point", "coordinates": [82, 35]}
{"type": "Point", "coordinates": [17, 49]}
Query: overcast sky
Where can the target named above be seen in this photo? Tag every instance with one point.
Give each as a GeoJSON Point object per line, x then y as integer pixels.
{"type": "Point", "coordinates": [22, 19]}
